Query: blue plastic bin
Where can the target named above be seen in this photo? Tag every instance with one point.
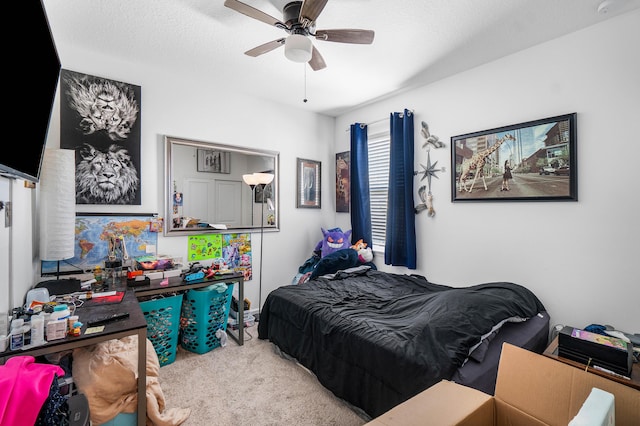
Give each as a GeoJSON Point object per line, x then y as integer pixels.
{"type": "Point", "coordinates": [123, 419]}
{"type": "Point", "coordinates": [204, 312]}
{"type": "Point", "coordinates": [163, 326]}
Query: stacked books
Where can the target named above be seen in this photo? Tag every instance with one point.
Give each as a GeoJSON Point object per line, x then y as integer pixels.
{"type": "Point", "coordinates": [606, 353]}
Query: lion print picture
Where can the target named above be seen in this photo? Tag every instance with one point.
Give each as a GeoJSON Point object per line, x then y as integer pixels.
{"type": "Point", "coordinates": [100, 120]}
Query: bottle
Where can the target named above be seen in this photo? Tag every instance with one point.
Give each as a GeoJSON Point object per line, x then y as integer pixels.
{"type": "Point", "coordinates": [17, 334]}
{"type": "Point", "coordinates": [60, 312]}
{"type": "Point", "coordinates": [97, 275]}
{"type": "Point", "coordinates": [37, 330]}
{"type": "Point", "coordinates": [26, 332]}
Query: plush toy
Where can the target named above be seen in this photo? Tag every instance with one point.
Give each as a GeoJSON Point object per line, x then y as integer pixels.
{"type": "Point", "coordinates": [365, 254]}
{"type": "Point", "coordinates": [334, 240]}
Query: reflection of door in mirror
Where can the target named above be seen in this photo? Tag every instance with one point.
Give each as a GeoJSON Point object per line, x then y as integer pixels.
{"type": "Point", "coordinates": [217, 195]}
{"type": "Point", "coordinates": [228, 206]}
{"type": "Point", "coordinates": [214, 202]}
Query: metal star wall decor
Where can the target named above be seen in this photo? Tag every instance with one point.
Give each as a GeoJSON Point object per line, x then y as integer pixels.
{"type": "Point", "coordinates": [429, 170]}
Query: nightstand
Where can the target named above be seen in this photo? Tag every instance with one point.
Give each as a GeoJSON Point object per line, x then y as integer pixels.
{"type": "Point", "coordinates": [634, 382]}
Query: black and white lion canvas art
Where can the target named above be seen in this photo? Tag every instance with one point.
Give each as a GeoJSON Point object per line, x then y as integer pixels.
{"type": "Point", "coordinates": [100, 120]}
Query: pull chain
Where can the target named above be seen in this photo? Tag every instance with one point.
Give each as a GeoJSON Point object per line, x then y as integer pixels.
{"type": "Point", "coordinates": [305, 84]}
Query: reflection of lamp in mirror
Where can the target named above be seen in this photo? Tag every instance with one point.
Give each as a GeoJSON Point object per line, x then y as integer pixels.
{"type": "Point", "coordinates": [252, 181]}
{"type": "Point", "coordinates": [57, 206]}
{"type": "Point", "coordinates": [261, 180]}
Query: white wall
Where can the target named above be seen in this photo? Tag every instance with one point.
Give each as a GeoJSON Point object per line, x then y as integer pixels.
{"type": "Point", "coordinates": [580, 257]}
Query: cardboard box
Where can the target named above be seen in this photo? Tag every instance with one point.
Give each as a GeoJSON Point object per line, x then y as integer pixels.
{"type": "Point", "coordinates": [531, 390]}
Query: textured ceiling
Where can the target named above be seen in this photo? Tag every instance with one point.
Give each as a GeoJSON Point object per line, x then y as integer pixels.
{"type": "Point", "coordinates": [416, 41]}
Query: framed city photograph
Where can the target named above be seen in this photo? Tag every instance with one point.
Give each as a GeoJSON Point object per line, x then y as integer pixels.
{"type": "Point", "coordinates": [308, 184]}
{"type": "Point", "coordinates": [214, 161]}
{"type": "Point", "coordinates": [531, 161]}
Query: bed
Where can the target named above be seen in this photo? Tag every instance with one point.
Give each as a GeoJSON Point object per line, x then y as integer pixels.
{"type": "Point", "coordinates": [375, 339]}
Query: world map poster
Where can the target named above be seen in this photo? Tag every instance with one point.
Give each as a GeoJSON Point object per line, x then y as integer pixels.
{"type": "Point", "coordinates": [92, 236]}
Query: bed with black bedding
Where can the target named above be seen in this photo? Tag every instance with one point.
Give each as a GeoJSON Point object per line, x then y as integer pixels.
{"type": "Point", "coordinates": [376, 339]}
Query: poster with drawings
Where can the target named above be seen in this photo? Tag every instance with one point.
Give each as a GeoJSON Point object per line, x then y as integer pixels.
{"type": "Point", "coordinates": [226, 251]}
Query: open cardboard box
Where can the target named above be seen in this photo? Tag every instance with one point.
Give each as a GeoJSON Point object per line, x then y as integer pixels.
{"type": "Point", "coordinates": [531, 390]}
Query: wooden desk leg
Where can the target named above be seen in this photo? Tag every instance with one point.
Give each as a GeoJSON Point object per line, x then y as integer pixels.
{"type": "Point", "coordinates": [142, 377]}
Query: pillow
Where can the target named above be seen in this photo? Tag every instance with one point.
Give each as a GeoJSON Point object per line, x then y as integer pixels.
{"type": "Point", "coordinates": [479, 351]}
{"type": "Point", "coordinates": [336, 261]}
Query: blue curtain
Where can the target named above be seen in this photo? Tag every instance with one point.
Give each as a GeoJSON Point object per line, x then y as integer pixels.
{"type": "Point", "coordinates": [400, 248]}
{"type": "Point", "coordinates": [359, 190]}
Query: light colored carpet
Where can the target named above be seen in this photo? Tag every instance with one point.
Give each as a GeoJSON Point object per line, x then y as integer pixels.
{"type": "Point", "coordinates": [250, 385]}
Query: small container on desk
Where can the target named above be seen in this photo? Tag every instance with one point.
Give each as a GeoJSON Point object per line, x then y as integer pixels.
{"type": "Point", "coordinates": [205, 312]}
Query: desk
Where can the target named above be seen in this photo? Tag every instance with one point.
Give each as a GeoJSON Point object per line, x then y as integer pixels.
{"type": "Point", "coordinates": [177, 284]}
{"type": "Point", "coordinates": [135, 324]}
{"type": "Point", "coordinates": [552, 352]}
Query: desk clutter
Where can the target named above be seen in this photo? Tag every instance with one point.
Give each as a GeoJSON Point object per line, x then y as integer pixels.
{"type": "Point", "coordinates": [607, 353]}
{"type": "Point", "coordinates": [43, 321]}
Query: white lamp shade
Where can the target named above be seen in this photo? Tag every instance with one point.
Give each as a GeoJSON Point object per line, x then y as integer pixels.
{"type": "Point", "coordinates": [57, 204]}
{"type": "Point", "coordinates": [264, 178]}
{"type": "Point", "coordinates": [250, 179]}
{"type": "Point", "coordinates": [297, 48]}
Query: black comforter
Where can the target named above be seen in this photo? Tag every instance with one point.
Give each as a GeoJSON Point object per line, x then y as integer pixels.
{"type": "Point", "coordinates": [376, 339]}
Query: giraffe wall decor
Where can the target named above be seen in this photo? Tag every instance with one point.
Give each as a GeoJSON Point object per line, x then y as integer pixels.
{"type": "Point", "coordinates": [527, 148]}
{"type": "Point", "coordinates": [477, 162]}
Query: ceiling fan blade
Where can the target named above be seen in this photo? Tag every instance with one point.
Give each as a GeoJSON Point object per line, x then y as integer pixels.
{"type": "Point", "coordinates": [346, 36]}
{"type": "Point", "coordinates": [254, 13]}
{"type": "Point", "coordinates": [310, 11]}
{"type": "Point", "coordinates": [264, 48]}
{"type": "Point", "coordinates": [317, 62]}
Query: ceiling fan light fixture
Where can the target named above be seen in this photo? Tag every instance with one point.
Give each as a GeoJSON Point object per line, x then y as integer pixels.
{"type": "Point", "coordinates": [298, 48]}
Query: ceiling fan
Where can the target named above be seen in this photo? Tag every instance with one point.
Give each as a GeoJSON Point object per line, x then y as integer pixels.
{"type": "Point", "coordinates": [299, 20]}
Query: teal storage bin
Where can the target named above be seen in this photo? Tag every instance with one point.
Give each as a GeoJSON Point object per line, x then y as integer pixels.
{"type": "Point", "coordinates": [204, 312]}
{"type": "Point", "coordinates": [123, 419]}
{"type": "Point", "coordinates": [163, 326]}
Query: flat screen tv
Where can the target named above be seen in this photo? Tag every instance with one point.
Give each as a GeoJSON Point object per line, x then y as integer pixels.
{"type": "Point", "coordinates": [31, 91]}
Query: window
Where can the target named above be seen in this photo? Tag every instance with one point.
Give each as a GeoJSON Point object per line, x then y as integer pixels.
{"type": "Point", "coordinates": [379, 152]}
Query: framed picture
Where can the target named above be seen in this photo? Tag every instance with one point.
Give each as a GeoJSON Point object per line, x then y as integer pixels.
{"type": "Point", "coordinates": [343, 181]}
{"type": "Point", "coordinates": [214, 161]}
{"type": "Point", "coordinates": [308, 184]}
{"type": "Point", "coordinates": [106, 132]}
{"type": "Point", "coordinates": [532, 161]}
{"type": "Point", "coordinates": [263, 195]}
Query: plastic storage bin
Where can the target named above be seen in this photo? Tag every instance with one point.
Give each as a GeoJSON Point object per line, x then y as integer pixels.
{"type": "Point", "coordinates": [204, 312]}
{"type": "Point", "coordinates": [163, 326]}
{"type": "Point", "coordinates": [123, 419]}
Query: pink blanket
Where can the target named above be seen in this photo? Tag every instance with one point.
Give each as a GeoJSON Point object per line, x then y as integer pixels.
{"type": "Point", "coordinates": [24, 387]}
